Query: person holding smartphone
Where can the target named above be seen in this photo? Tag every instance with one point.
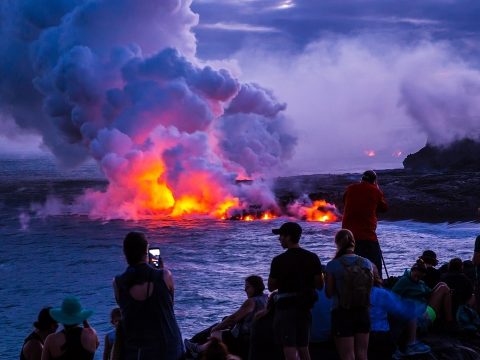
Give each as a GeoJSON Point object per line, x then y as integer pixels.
{"type": "Point", "coordinates": [144, 294]}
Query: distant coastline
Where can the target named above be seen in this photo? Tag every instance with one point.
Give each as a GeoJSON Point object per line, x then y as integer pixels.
{"type": "Point", "coordinates": [432, 196]}
{"type": "Point", "coordinates": [422, 196]}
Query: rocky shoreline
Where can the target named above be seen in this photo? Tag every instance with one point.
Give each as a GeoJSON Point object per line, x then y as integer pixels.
{"type": "Point", "coordinates": [422, 196]}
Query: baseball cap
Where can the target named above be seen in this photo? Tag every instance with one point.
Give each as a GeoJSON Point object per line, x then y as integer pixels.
{"type": "Point", "coordinates": [289, 228]}
{"type": "Point", "coordinates": [430, 257]}
{"type": "Point", "coordinates": [369, 176]}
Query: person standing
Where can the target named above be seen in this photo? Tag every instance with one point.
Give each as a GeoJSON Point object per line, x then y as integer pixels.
{"type": "Point", "coordinates": [33, 344]}
{"type": "Point", "coordinates": [295, 274]}
{"type": "Point", "coordinates": [362, 201]}
{"type": "Point", "coordinates": [349, 284]}
{"type": "Point", "coordinates": [145, 297]}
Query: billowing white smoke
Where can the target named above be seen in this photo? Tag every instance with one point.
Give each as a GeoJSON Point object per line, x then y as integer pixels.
{"type": "Point", "coordinates": [118, 80]}
{"type": "Point", "coordinates": [350, 95]}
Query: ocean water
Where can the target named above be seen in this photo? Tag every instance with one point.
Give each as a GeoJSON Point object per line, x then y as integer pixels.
{"type": "Point", "coordinates": [43, 259]}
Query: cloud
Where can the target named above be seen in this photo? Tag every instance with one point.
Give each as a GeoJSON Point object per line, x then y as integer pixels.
{"type": "Point", "coordinates": [304, 22]}
{"type": "Point", "coordinates": [238, 27]}
{"type": "Point", "coordinates": [349, 95]}
{"type": "Point", "coordinates": [119, 81]}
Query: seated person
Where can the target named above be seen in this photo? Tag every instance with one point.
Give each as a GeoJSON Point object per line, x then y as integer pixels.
{"type": "Point", "coordinates": [33, 344]}
{"type": "Point", "coordinates": [74, 341]}
{"type": "Point", "coordinates": [234, 330]}
{"type": "Point", "coordinates": [216, 350]}
{"type": "Point", "coordinates": [460, 285]}
{"type": "Point", "coordinates": [438, 299]}
{"type": "Point", "coordinates": [321, 330]}
{"type": "Point", "coordinates": [432, 276]}
{"type": "Point", "coordinates": [384, 305]}
{"type": "Point", "coordinates": [115, 318]}
{"type": "Point", "coordinates": [263, 344]}
{"type": "Point", "coordinates": [469, 270]}
{"type": "Point", "coordinates": [321, 342]}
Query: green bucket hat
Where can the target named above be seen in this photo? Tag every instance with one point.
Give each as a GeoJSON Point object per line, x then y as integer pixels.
{"type": "Point", "coordinates": [71, 312]}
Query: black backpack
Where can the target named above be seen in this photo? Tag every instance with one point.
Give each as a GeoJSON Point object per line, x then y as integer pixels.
{"type": "Point", "coordinates": [357, 285]}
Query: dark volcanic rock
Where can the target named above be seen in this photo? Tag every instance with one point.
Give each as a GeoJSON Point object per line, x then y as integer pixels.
{"type": "Point", "coordinates": [431, 197]}
{"type": "Point", "coordinates": [460, 155]}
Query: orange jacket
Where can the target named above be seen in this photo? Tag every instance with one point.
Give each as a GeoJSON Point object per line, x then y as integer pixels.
{"type": "Point", "coordinates": [362, 201]}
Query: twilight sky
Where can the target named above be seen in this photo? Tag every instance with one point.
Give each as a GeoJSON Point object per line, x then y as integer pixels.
{"type": "Point", "coordinates": [359, 77]}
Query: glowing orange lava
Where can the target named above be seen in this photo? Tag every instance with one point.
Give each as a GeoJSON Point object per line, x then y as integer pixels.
{"type": "Point", "coordinates": [321, 211]}
{"type": "Point", "coordinates": [143, 190]}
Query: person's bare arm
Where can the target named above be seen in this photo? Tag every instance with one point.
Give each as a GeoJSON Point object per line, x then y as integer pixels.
{"type": "Point", "coordinates": [330, 288]}
{"type": "Point", "coordinates": [107, 349]}
{"type": "Point", "coordinates": [46, 348]}
{"type": "Point", "coordinates": [319, 282]}
{"type": "Point", "coordinates": [168, 278]}
{"type": "Point", "coordinates": [272, 284]}
{"type": "Point", "coordinates": [89, 339]}
{"type": "Point", "coordinates": [32, 349]}
{"type": "Point", "coordinates": [247, 307]}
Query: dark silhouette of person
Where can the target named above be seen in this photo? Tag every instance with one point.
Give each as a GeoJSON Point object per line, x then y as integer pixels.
{"type": "Point", "coordinates": [295, 274]}
{"type": "Point", "coordinates": [33, 343]}
{"type": "Point", "coordinates": [362, 201]}
{"type": "Point", "coordinates": [145, 297]}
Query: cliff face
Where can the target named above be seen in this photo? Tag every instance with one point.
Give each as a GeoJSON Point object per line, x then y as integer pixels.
{"type": "Point", "coordinates": [461, 155]}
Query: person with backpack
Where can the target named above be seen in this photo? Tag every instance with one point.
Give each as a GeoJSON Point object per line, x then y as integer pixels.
{"type": "Point", "coordinates": [349, 284]}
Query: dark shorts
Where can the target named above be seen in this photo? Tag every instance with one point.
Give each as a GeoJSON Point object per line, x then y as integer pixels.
{"type": "Point", "coordinates": [292, 326]}
{"type": "Point", "coordinates": [347, 323]}
{"type": "Point", "coordinates": [371, 251]}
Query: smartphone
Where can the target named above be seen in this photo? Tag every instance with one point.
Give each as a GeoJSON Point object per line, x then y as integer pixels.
{"type": "Point", "coordinates": [154, 257]}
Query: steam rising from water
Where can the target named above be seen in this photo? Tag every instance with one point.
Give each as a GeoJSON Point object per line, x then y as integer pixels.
{"type": "Point", "coordinates": [118, 80]}
{"type": "Point", "coordinates": [352, 96]}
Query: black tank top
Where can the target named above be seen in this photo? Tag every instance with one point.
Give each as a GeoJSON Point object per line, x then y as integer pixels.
{"type": "Point", "coordinates": [151, 322]}
{"type": "Point", "coordinates": [73, 349]}
{"type": "Point", "coordinates": [32, 336]}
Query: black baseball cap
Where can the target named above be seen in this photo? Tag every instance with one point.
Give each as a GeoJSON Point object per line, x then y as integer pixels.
{"type": "Point", "coordinates": [429, 257]}
{"type": "Point", "coordinates": [369, 176]}
{"type": "Point", "coordinates": [289, 228]}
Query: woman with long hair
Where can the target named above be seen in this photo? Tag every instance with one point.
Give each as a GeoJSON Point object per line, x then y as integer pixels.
{"type": "Point", "coordinates": [349, 282]}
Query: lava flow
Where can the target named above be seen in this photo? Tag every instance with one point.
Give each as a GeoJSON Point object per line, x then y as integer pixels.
{"type": "Point", "coordinates": [322, 211]}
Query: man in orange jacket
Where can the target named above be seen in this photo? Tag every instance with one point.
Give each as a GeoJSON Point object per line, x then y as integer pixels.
{"type": "Point", "coordinates": [362, 201]}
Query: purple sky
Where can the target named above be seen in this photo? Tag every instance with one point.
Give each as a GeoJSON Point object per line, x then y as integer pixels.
{"type": "Point", "coordinates": [357, 75]}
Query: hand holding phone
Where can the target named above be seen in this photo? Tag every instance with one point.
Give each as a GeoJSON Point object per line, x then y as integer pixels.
{"type": "Point", "coordinates": [154, 258]}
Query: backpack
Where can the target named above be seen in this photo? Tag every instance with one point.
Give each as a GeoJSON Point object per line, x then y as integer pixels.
{"type": "Point", "coordinates": [357, 285]}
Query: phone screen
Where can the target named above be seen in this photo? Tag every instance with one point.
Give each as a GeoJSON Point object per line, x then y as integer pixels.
{"type": "Point", "coordinates": [154, 256]}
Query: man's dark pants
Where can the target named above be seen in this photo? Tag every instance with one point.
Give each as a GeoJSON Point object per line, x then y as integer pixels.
{"type": "Point", "coordinates": [370, 250]}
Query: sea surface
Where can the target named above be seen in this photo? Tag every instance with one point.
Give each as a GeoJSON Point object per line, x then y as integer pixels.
{"type": "Point", "coordinates": [45, 258]}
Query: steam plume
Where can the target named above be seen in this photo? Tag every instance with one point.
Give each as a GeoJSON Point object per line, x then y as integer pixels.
{"type": "Point", "coordinates": [117, 80]}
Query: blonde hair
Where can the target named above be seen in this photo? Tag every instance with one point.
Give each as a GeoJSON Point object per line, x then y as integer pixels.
{"type": "Point", "coordinates": [345, 241]}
